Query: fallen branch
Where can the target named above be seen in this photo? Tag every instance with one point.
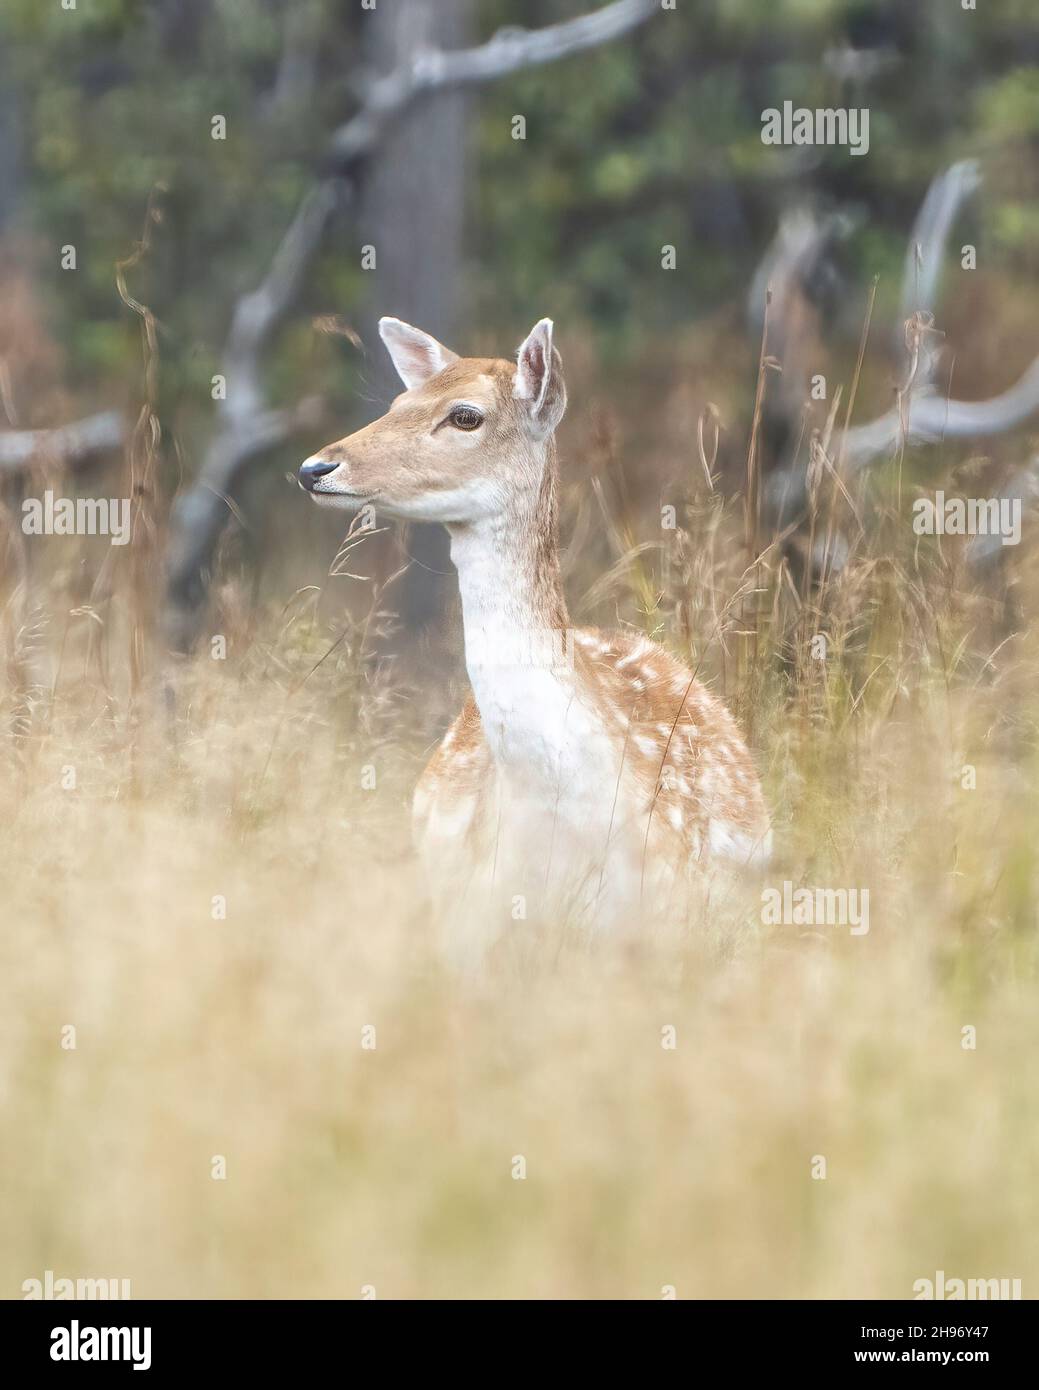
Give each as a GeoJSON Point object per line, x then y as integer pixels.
{"type": "Point", "coordinates": [926, 251]}
{"type": "Point", "coordinates": [926, 418]}
{"type": "Point", "coordinates": [930, 418]}
{"type": "Point", "coordinates": [68, 443]}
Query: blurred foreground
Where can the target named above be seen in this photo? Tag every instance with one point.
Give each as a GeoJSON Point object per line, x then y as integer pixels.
{"type": "Point", "coordinates": [199, 1035]}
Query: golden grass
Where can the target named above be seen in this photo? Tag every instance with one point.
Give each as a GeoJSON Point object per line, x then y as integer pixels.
{"type": "Point", "coordinates": [645, 1167]}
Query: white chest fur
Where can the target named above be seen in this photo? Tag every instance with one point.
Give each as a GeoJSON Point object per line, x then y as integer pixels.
{"type": "Point", "coordinates": [559, 826]}
{"type": "Point", "coordinates": [559, 766]}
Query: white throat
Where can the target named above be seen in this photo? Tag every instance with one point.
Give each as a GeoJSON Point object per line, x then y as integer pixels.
{"type": "Point", "coordinates": [519, 647]}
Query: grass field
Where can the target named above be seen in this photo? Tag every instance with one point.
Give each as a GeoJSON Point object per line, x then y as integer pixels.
{"type": "Point", "coordinates": [209, 891]}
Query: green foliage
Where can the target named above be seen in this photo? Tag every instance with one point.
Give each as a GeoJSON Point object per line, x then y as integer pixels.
{"type": "Point", "coordinates": [648, 142]}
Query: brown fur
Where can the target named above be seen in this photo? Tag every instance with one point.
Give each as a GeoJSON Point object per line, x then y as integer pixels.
{"type": "Point", "coordinates": [681, 747]}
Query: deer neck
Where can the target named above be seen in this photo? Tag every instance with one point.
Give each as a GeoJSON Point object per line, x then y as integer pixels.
{"type": "Point", "coordinates": [518, 649]}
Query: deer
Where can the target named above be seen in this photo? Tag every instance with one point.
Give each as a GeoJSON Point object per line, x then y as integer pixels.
{"type": "Point", "coordinates": [588, 773]}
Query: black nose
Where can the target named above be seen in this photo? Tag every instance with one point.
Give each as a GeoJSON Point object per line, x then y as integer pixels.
{"type": "Point", "coordinates": [313, 469]}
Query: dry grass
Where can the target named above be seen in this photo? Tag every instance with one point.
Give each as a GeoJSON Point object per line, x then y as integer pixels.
{"type": "Point", "coordinates": [646, 1167]}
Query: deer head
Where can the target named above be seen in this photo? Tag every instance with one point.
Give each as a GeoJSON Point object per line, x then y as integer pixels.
{"type": "Point", "coordinates": [459, 443]}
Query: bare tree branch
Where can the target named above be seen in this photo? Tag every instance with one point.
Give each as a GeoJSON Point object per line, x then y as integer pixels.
{"type": "Point", "coordinates": [921, 415]}
{"type": "Point", "coordinates": [930, 417]}
{"type": "Point", "coordinates": [79, 440]}
{"type": "Point", "coordinates": [507, 52]}
{"type": "Point", "coordinates": [245, 427]}
{"type": "Point", "coordinates": [923, 264]}
{"type": "Point", "coordinates": [917, 346]}
{"type": "Point", "coordinates": [258, 314]}
{"type": "Point", "coordinates": [926, 418]}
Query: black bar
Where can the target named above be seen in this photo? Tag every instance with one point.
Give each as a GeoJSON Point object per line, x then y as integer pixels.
{"type": "Point", "coordinates": [186, 1338]}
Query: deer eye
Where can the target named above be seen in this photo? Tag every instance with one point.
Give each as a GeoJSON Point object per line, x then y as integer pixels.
{"type": "Point", "coordinates": [465, 417]}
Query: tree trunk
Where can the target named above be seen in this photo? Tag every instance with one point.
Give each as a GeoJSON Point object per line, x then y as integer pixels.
{"type": "Point", "coordinates": [412, 213]}
{"type": "Point", "coordinates": [10, 138]}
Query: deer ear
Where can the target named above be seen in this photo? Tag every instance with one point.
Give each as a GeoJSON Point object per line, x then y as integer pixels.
{"type": "Point", "coordinates": [415, 354]}
{"type": "Point", "coordinates": [539, 378]}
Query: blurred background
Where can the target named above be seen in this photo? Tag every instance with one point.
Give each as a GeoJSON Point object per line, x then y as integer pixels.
{"type": "Point", "coordinates": [638, 143]}
{"type": "Point", "coordinates": [209, 736]}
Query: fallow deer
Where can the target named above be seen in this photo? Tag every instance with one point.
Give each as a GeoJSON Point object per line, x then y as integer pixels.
{"type": "Point", "coordinates": [588, 773]}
